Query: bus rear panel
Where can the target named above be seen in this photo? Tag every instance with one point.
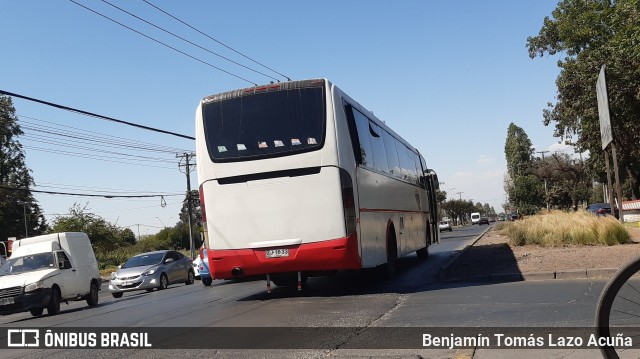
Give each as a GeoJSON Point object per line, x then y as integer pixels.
{"type": "Point", "coordinates": [270, 186]}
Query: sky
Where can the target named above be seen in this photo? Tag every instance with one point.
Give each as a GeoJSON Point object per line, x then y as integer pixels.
{"type": "Point", "coordinates": [447, 76]}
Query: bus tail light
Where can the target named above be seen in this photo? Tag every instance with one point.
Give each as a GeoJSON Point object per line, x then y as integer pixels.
{"type": "Point", "coordinates": [348, 202]}
{"type": "Point", "coordinates": [204, 216]}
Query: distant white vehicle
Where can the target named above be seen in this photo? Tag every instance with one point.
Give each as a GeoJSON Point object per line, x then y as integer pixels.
{"type": "Point", "coordinates": [475, 218]}
{"type": "Point", "coordinates": [46, 270]}
{"type": "Point", "coordinates": [445, 226]}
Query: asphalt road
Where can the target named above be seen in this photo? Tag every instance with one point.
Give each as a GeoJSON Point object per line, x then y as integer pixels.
{"type": "Point", "coordinates": [357, 300]}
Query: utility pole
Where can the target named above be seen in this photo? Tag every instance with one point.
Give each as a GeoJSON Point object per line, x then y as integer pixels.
{"type": "Point", "coordinates": [187, 157]}
{"type": "Point", "coordinates": [460, 195]}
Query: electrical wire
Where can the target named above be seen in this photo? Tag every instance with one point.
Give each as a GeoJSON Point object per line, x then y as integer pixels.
{"type": "Point", "coordinates": [94, 136]}
{"type": "Point", "coordinates": [189, 42]}
{"type": "Point", "coordinates": [219, 42]}
{"type": "Point", "coordinates": [163, 44]}
{"type": "Point", "coordinates": [71, 109]}
{"type": "Point", "coordinates": [36, 138]}
{"type": "Point", "coordinates": [86, 194]}
{"type": "Point", "coordinates": [93, 157]}
{"type": "Point", "coordinates": [81, 187]}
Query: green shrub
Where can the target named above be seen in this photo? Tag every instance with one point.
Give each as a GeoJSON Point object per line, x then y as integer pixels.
{"type": "Point", "coordinates": [561, 228]}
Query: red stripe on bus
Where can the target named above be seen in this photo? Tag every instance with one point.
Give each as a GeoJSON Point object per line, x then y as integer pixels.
{"type": "Point", "coordinates": [336, 254]}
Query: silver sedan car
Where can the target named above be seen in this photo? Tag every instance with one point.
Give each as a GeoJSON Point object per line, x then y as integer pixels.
{"type": "Point", "coordinates": [151, 270]}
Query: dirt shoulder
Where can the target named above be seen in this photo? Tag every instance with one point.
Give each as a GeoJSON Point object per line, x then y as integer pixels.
{"type": "Point", "coordinates": [493, 255]}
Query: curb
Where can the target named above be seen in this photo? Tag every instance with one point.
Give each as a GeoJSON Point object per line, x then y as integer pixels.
{"type": "Point", "coordinates": [592, 273]}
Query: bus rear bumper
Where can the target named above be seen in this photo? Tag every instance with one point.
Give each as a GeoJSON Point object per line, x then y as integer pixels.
{"type": "Point", "coordinates": [335, 254]}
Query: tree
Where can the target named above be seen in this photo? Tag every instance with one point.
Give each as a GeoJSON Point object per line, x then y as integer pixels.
{"type": "Point", "coordinates": [592, 33]}
{"type": "Point", "coordinates": [525, 190]}
{"type": "Point", "coordinates": [18, 207]}
{"type": "Point", "coordinates": [567, 183]}
{"type": "Point", "coordinates": [458, 209]}
{"type": "Point", "coordinates": [104, 235]}
{"type": "Point", "coordinates": [196, 211]}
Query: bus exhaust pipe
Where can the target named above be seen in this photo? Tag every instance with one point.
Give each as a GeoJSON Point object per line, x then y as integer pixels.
{"type": "Point", "coordinates": [236, 272]}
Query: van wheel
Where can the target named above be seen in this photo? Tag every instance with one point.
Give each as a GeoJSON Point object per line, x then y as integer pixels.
{"type": "Point", "coordinates": [190, 278]}
{"type": "Point", "coordinates": [54, 304]}
{"type": "Point", "coordinates": [92, 297]}
{"type": "Point", "coordinates": [164, 282]}
{"type": "Point", "coordinates": [207, 281]}
{"type": "Point", "coordinates": [36, 312]}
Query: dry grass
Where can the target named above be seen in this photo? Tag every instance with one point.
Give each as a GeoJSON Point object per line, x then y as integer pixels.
{"type": "Point", "coordinates": [561, 228]}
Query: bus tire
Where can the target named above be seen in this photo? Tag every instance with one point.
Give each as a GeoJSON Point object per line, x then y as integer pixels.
{"type": "Point", "coordinates": [389, 268]}
{"type": "Point", "coordinates": [423, 253]}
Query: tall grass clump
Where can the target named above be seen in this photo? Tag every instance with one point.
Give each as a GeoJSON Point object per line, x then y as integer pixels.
{"type": "Point", "coordinates": [561, 228]}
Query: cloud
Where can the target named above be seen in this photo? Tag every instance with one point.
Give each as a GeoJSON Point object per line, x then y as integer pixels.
{"type": "Point", "coordinates": [485, 159]}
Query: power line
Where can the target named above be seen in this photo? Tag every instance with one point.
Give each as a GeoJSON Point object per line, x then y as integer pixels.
{"type": "Point", "coordinates": [94, 136]}
{"type": "Point", "coordinates": [187, 41]}
{"type": "Point", "coordinates": [91, 114]}
{"type": "Point", "coordinates": [202, 33]}
{"type": "Point", "coordinates": [93, 157]}
{"type": "Point", "coordinates": [88, 194]}
{"type": "Point", "coordinates": [163, 44]}
{"type": "Point", "coordinates": [81, 187]}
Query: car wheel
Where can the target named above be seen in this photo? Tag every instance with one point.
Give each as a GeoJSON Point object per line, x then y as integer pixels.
{"type": "Point", "coordinates": [149, 290]}
{"type": "Point", "coordinates": [92, 297]}
{"type": "Point", "coordinates": [36, 312]}
{"type": "Point", "coordinates": [450, 229]}
{"type": "Point", "coordinates": [164, 282]}
{"type": "Point", "coordinates": [207, 281]}
{"type": "Point", "coordinates": [117, 294]}
{"type": "Point", "coordinates": [54, 303]}
{"type": "Point", "coordinates": [190, 278]}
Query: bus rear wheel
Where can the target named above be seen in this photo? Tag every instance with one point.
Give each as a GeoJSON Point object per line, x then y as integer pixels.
{"type": "Point", "coordinates": [423, 253]}
{"type": "Point", "coordinates": [389, 268]}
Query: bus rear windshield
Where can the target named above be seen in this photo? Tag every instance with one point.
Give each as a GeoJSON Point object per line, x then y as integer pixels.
{"type": "Point", "coordinates": [269, 124]}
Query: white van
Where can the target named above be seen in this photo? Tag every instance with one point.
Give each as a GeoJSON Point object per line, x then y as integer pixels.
{"type": "Point", "coordinates": [475, 217]}
{"type": "Point", "coordinates": [46, 270]}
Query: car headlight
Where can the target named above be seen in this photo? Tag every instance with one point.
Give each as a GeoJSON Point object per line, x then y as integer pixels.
{"type": "Point", "coordinates": [33, 286]}
{"type": "Point", "coordinates": [150, 271]}
{"type": "Point", "coordinates": [113, 275]}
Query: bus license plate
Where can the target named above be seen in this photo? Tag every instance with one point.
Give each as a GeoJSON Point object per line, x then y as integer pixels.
{"type": "Point", "coordinates": [275, 253]}
{"type": "Point", "coordinates": [5, 301]}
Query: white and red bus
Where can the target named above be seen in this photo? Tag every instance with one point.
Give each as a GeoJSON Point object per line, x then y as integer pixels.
{"type": "Point", "coordinates": [299, 178]}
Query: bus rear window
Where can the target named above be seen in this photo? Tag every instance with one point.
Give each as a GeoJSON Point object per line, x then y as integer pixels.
{"type": "Point", "coordinates": [263, 125]}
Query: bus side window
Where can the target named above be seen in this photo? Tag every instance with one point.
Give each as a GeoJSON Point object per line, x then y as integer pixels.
{"type": "Point", "coordinates": [362, 124]}
{"type": "Point", "coordinates": [392, 154]}
{"type": "Point", "coordinates": [353, 133]}
{"type": "Point", "coordinates": [377, 148]}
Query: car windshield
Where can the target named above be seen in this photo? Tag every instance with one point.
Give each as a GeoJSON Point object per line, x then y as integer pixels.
{"type": "Point", "coordinates": [144, 260]}
{"type": "Point", "coordinates": [30, 263]}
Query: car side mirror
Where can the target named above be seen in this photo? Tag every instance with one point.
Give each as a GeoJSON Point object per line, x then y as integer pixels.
{"type": "Point", "coordinates": [120, 266]}
{"type": "Point", "coordinates": [168, 260]}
